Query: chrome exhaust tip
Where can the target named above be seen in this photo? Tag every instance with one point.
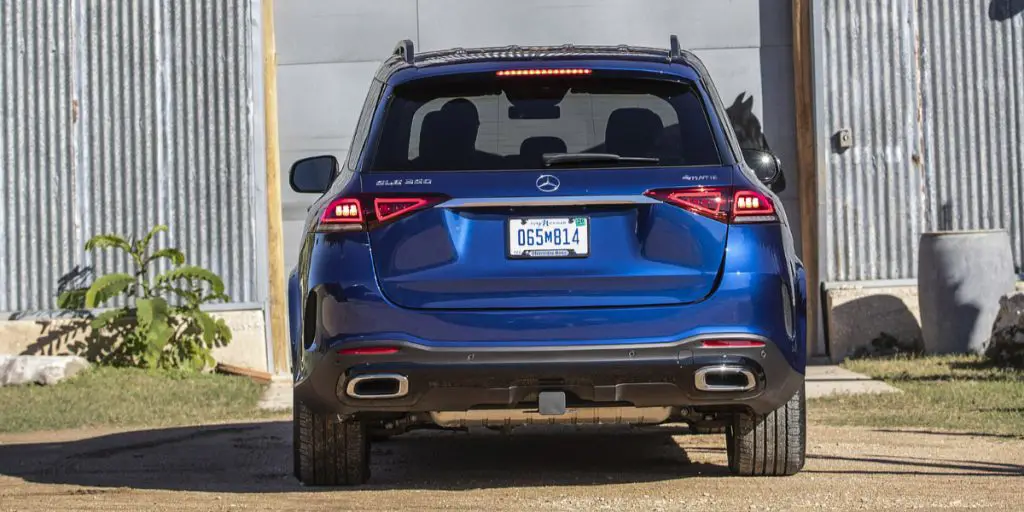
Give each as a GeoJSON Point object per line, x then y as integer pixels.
{"type": "Point", "coordinates": [378, 386]}
{"type": "Point", "coordinates": [724, 379]}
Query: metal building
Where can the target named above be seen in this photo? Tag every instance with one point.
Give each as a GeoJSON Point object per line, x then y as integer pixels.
{"type": "Point", "coordinates": [115, 116]}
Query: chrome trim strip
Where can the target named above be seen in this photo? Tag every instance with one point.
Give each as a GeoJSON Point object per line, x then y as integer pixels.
{"type": "Point", "coordinates": [484, 202]}
{"type": "Point", "coordinates": [482, 347]}
{"type": "Point", "coordinates": [700, 378]}
{"type": "Point", "coordinates": [403, 386]}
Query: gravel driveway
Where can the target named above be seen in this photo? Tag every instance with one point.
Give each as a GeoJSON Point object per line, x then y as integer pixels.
{"type": "Point", "coordinates": [247, 467]}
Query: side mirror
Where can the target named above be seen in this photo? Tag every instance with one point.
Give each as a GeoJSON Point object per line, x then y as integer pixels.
{"type": "Point", "coordinates": [766, 167]}
{"type": "Point", "coordinates": [314, 174]}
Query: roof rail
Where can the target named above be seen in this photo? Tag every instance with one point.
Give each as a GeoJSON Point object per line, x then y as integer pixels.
{"type": "Point", "coordinates": [674, 50]}
{"type": "Point", "coordinates": [406, 50]}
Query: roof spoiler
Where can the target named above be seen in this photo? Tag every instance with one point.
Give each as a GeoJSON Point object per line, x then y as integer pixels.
{"type": "Point", "coordinates": [406, 51]}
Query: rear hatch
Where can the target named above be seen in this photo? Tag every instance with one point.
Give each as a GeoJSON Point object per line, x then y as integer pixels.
{"type": "Point", "coordinates": [536, 187]}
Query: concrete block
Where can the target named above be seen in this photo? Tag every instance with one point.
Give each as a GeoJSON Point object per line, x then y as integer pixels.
{"type": "Point", "coordinates": [856, 316]}
{"type": "Point", "coordinates": [44, 370]}
{"type": "Point", "coordinates": [56, 337]}
{"type": "Point", "coordinates": [278, 395]}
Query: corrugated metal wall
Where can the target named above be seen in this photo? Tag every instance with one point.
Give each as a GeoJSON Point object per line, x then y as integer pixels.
{"type": "Point", "coordinates": [874, 188]}
{"type": "Point", "coordinates": [118, 116]}
{"type": "Point", "coordinates": [933, 96]}
{"type": "Point", "coordinates": [972, 58]}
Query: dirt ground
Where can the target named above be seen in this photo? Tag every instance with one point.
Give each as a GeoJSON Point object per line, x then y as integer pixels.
{"type": "Point", "coordinates": [248, 467]}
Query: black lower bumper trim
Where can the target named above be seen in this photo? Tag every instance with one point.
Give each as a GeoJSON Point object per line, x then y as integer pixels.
{"type": "Point", "coordinates": [458, 379]}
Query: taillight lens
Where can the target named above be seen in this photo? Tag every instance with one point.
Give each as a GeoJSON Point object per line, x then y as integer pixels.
{"type": "Point", "coordinates": [388, 208]}
{"type": "Point", "coordinates": [724, 204]}
{"type": "Point", "coordinates": [752, 206]}
{"type": "Point", "coordinates": [711, 202]}
{"type": "Point", "coordinates": [360, 212]}
{"type": "Point", "coordinates": [344, 210]}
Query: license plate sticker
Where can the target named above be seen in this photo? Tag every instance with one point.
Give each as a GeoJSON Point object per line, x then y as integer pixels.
{"type": "Point", "coordinates": [548, 237]}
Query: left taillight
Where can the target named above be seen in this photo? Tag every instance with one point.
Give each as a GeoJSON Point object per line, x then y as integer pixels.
{"type": "Point", "coordinates": [357, 213]}
{"type": "Point", "coordinates": [724, 204]}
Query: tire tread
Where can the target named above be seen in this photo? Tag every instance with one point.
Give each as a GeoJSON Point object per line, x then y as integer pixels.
{"type": "Point", "coordinates": [772, 444]}
{"type": "Point", "coordinates": [329, 452]}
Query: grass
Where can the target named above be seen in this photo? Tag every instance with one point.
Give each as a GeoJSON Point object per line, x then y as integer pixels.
{"type": "Point", "coordinates": [108, 397]}
{"type": "Point", "coordinates": [956, 393]}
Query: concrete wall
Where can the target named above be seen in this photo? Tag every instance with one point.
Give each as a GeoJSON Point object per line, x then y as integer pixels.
{"type": "Point", "coordinates": [248, 348]}
{"type": "Point", "coordinates": [328, 51]}
{"type": "Point", "coordinates": [857, 315]}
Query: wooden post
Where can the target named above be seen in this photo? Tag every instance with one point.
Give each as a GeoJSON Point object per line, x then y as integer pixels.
{"type": "Point", "coordinates": [803, 64]}
{"type": "Point", "coordinates": [276, 290]}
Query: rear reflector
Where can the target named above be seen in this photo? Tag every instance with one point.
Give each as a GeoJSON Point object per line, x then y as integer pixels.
{"type": "Point", "coordinates": [731, 344]}
{"type": "Point", "coordinates": [544, 72]}
{"type": "Point", "coordinates": [368, 351]}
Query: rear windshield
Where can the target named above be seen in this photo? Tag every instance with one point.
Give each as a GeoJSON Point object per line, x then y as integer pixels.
{"type": "Point", "coordinates": [492, 123]}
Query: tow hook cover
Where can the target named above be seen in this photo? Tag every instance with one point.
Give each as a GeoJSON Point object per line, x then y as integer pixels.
{"type": "Point", "coordinates": [551, 403]}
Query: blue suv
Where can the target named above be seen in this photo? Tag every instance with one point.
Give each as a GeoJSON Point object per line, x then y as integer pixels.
{"type": "Point", "coordinates": [543, 235]}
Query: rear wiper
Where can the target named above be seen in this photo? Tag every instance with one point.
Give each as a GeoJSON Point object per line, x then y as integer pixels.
{"type": "Point", "coordinates": [553, 159]}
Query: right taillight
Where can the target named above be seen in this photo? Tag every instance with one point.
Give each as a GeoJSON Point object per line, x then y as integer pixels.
{"type": "Point", "coordinates": [751, 206]}
{"type": "Point", "coordinates": [724, 204]}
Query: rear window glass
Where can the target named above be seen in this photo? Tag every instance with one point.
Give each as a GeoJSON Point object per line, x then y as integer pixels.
{"type": "Point", "coordinates": [491, 123]}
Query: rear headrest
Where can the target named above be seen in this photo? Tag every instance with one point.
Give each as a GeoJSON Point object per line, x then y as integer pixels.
{"type": "Point", "coordinates": [632, 131]}
{"type": "Point", "coordinates": [532, 149]}
{"type": "Point", "coordinates": [432, 136]}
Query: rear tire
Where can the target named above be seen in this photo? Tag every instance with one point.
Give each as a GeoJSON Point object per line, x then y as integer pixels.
{"type": "Point", "coordinates": [772, 444]}
{"type": "Point", "coordinates": [329, 452]}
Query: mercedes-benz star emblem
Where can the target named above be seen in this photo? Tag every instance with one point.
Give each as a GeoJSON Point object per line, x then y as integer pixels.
{"type": "Point", "coordinates": [548, 183]}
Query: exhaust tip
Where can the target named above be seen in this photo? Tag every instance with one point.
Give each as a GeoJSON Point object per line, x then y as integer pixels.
{"type": "Point", "coordinates": [724, 379]}
{"type": "Point", "coordinates": [378, 386]}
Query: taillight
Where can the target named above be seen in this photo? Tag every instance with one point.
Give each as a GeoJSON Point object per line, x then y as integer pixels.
{"type": "Point", "coordinates": [344, 210]}
{"type": "Point", "coordinates": [365, 211]}
{"type": "Point", "coordinates": [388, 208]}
{"type": "Point", "coordinates": [724, 204]}
{"type": "Point", "coordinates": [752, 206]}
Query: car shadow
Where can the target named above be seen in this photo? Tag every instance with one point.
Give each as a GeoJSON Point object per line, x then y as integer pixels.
{"type": "Point", "coordinates": [256, 457]}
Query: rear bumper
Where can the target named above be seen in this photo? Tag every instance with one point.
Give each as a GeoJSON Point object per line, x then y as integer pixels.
{"type": "Point", "coordinates": [464, 378]}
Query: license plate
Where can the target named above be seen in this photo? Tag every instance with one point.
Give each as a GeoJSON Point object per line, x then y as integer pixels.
{"type": "Point", "coordinates": [548, 237]}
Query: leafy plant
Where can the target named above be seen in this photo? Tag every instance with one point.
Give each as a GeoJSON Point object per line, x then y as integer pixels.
{"type": "Point", "coordinates": [161, 325]}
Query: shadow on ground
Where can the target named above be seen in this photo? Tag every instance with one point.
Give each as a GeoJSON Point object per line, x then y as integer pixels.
{"type": "Point", "coordinates": [256, 457]}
